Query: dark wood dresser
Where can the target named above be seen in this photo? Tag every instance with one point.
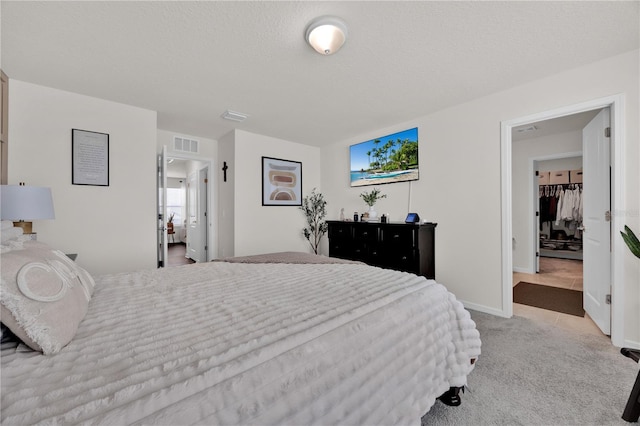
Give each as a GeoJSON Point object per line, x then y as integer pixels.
{"type": "Point", "coordinates": [400, 246]}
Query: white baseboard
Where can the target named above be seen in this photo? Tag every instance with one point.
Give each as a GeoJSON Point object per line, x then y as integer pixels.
{"type": "Point", "coordinates": [484, 309]}
{"type": "Point", "coordinates": [522, 270]}
{"type": "Point", "coordinates": [631, 344]}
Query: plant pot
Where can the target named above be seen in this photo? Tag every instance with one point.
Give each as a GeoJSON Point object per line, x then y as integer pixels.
{"type": "Point", "coordinates": [373, 215]}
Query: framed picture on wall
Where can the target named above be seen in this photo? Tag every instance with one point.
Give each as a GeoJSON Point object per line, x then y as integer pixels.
{"type": "Point", "coordinates": [89, 158]}
{"type": "Point", "coordinates": [281, 182]}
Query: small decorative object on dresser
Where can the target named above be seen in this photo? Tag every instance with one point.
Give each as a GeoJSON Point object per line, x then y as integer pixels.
{"type": "Point", "coordinates": [406, 247]}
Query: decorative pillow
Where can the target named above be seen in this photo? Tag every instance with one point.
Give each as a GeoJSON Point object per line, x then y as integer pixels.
{"type": "Point", "coordinates": [44, 295]}
{"type": "Point", "coordinates": [7, 234]}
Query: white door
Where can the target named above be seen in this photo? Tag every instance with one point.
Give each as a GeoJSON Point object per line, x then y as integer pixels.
{"type": "Point", "coordinates": [596, 220]}
{"type": "Point", "coordinates": [162, 208]}
{"type": "Point", "coordinates": [203, 190]}
{"type": "Point", "coordinates": [193, 222]}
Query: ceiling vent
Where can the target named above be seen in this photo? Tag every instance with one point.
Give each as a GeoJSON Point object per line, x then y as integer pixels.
{"type": "Point", "coordinates": [185, 145]}
{"type": "Point", "coordinates": [234, 116]}
{"type": "Point", "coordinates": [527, 129]}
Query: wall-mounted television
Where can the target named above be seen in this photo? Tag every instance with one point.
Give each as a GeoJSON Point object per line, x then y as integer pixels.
{"type": "Point", "coordinates": [388, 159]}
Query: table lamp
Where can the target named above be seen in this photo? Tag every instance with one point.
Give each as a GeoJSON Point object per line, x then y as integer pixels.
{"type": "Point", "coordinates": [22, 204]}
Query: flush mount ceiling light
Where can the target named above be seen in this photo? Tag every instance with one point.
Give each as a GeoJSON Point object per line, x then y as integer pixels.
{"type": "Point", "coordinates": [234, 116]}
{"type": "Point", "coordinates": [326, 34]}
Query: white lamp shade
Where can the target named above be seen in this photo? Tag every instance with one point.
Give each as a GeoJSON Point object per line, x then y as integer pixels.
{"type": "Point", "coordinates": [20, 202]}
{"type": "Point", "coordinates": [327, 34]}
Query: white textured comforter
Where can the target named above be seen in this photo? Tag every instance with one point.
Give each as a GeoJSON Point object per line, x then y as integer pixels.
{"type": "Point", "coordinates": [225, 343]}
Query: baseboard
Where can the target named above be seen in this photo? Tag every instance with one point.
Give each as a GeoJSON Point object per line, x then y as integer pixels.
{"type": "Point", "coordinates": [522, 270]}
{"type": "Point", "coordinates": [631, 344]}
{"type": "Point", "coordinates": [484, 309]}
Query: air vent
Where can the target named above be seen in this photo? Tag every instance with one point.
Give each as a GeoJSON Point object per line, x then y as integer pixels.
{"type": "Point", "coordinates": [234, 116]}
{"type": "Point", "coordinates": [527, 129]}
{"type": "Point", "coordinates": [185, 145]}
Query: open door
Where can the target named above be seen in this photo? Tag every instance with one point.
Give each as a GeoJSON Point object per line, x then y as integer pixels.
{"type": "Point", "coordinates": [197, 223]}
{"type": "Point", "coordinates": [162, 208]}
{"type": "Point", "coordinates": [597, 220]}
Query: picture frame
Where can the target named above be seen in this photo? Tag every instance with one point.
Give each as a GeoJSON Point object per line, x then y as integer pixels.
{"type": "Point", "coordinates": [281, 182]}
{"type": "Point", "coordinates": [89, 158]}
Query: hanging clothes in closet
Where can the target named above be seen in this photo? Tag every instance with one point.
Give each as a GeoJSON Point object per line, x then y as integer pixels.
{"type": "Point", "coordinates": [569, 208]}
{"type": "Point", "coordinates": [561, 205]}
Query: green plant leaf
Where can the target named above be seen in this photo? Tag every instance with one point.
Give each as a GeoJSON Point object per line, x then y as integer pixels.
{"type": "Point", "coordinates": [631, 240]}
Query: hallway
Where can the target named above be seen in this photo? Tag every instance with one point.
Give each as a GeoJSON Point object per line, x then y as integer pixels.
{"type": "Point", "coordinates": [176, 255]}
{"type": "Point", "coordinates": [565, 273]}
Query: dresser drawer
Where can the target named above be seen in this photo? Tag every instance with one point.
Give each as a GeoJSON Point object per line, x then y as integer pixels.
{"type": "Point", "coordinates": [341, 231]}
{"type": "Point", "coordinates": [366, 233]}
{"type": "Point", "coordinates": [399, 237]}
{"type": "Point", "coordinates": [341, 247]}
{"type": "Point", "coordinates": [404, 260]}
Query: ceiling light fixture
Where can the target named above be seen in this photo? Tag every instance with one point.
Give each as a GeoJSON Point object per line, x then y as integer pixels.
{"type": "Point", "coordinates": [326, 34]}
{"type": "Point", "coordinates": [234, 116]}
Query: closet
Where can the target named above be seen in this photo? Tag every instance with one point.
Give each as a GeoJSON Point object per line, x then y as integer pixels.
{"type": "Point", "coordinates": [560, 213]}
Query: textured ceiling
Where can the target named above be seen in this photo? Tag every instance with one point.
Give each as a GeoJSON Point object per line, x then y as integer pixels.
{"type": "Point", "coordinates": [190, 61]}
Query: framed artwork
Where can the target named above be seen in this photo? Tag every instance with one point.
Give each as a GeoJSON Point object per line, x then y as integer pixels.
{"type": "Point", "coordinates": [89, 158]}
{"type": "Point", "coordinates": [281, 182]}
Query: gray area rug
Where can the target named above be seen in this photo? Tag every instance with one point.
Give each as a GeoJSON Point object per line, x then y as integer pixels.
{"type": "Point", "coordinates": [533, 374]}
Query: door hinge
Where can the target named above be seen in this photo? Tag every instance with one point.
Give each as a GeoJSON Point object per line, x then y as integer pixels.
{"type": "Point", "coordinates": [206, 180]}
{"type": "Point", "coordinates": [537, 214]}
{"type": "Point", "coordinates": [607, 216]}
{"type": "Point", "coordinates": [608, 299]}
{"type": "Point", "coordinates": [607, 132]}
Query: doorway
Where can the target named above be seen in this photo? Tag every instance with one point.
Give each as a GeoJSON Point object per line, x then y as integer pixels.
{"type": "Point", "coordinates": [177, 205]}
{"type": "Point", "coordinates": [548, 267]}
{"type": "Point", "coordinates": [617, 203]}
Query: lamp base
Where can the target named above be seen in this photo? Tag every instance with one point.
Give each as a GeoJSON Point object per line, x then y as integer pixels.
{"type": "Point", "coordinates": [26, 226]}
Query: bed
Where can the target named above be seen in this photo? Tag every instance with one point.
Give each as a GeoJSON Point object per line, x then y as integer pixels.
{"type": "Point", "coordinates": [285, 339]}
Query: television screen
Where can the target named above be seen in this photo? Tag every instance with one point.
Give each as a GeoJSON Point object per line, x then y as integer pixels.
{"type": "Point", "coordinates": [389, 159]}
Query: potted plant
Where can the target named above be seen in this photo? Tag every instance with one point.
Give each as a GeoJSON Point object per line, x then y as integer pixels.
{"type": "Point", "coordinates": [315, 209]}
{"type": "Point", "coordinates": [371, 198]}
{"type": "Point", "coordinates": [631, 240]}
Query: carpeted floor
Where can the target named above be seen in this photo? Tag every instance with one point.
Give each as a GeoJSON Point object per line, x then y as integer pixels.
{"type": "Point", "coordinates": [546, 297]}
{"type": "Point", "coordinates": [533, 374]}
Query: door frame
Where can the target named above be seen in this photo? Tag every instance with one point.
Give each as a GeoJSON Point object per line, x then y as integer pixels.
{"type": "Point", "coordinates": [534, 200]}
{"type": "Point", "coordinates": [617, 106]}
{"type": "Point", "coordinates": [212, 215]}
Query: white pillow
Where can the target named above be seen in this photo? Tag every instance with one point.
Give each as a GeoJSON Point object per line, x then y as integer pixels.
{"type": "Point", "coordinates": [45, 295]}
{"type": "Point", "coordinates": [7, 234]}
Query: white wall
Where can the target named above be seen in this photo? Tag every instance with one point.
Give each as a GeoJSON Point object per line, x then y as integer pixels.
{"type": "Point", "coordinates": [569, 163]}
{"type": "Point", "coordinates": [459, 186]}
{"type": "Point", "coordinates": [111, 228]}
{"type": "Point", "coordinates": [226, 196]}
{"type": "Point", "coordinates": [522, 202]}
{"type": "Point", "coordinates": [257, 228]}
